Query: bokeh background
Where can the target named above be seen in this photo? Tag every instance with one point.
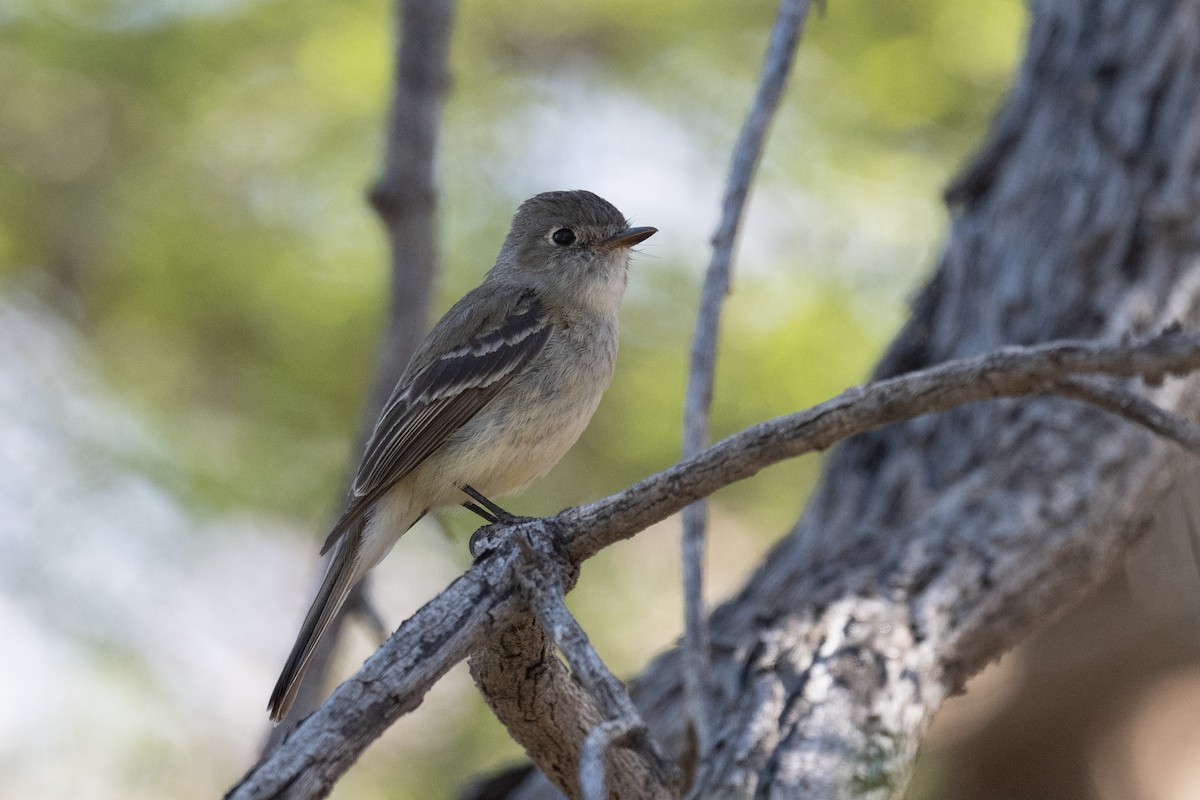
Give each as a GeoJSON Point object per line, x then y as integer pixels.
{"type": "Point", "coordinates": [191, 287]}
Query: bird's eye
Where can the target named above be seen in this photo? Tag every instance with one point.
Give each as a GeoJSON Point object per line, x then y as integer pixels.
{"type": "Point", "coordinates": [563, 237]}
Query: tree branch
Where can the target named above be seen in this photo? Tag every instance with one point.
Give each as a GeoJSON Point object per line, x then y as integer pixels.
{"type": "Point", "coordinates": [537, 573]}
{"type": "Point", "coordinates": [485, 600]}
{"type": "Point", "coordinates": [404, 196]}
{"type": "Point", "coordinates": [1134, 408]}
{"type": "Point", "coordinates": [777, 65]}
{"type": "Point", "coordinates": [561, 717]}
{"type": "Point", "coordinates": [545, 709]}
{"type": "Point", "coordinates": [593, 780]}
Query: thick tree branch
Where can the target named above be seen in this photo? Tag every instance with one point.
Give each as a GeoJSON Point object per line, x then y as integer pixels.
{"type": "Point", "coordinates": [485, 600]}
{"type": "Point", "coordinates": [545, 709]}
{"type": "Point", "coordinates": [777, 65]}
{"type": "Point", "coordinates": [564, 719]}
{"type": "Point", "coordinates": [537, 573]}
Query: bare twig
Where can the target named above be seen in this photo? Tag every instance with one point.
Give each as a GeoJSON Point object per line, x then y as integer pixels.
{"type": "Point", "coordinates": [1009, 372]}
{"type": "Point", "coordinates": [1132, 407]}
{"type": "Point", "coordinates": [777, 65]}
{"type": "Point", "coordinates": [395, 679]}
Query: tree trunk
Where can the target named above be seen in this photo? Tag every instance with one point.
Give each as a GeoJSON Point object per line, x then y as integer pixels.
{"type": "Point", "coordinates": [931, 547]}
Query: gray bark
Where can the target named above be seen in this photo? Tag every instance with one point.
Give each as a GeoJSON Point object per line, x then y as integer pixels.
{"type": "Point", "coordinates": [932, 546]}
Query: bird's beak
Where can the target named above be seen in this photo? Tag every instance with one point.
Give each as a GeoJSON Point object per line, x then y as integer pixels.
{"type": "Point", "coordinates": [629, 237]}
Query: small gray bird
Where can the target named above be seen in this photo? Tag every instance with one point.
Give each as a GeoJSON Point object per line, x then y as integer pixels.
{"type": "Point", "coordinates": [496, 394]}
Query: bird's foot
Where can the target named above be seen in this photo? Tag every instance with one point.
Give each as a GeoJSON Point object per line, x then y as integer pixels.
{"type": "Point", "coordinates": [485, 508]}
{"type": "Point", "coordinates": [481, 540]}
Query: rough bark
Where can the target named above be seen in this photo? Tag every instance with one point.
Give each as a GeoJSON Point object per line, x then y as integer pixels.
{"type": "Point", "coordinates": [932, 546]}
{"type": "Point", "coordinates": [548, 712]}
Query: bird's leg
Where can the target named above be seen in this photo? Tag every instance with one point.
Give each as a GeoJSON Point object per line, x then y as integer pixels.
{"type": "Point", "coordinates": [494, 514]}
{"type": "Point", "coordinates": [486, 508]}
{"type": "Point", "coordinates": [477, 510]}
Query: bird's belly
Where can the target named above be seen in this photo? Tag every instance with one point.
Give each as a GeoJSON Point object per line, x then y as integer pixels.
{"type": "Point", "coordinates": [514, 441]}
{"type": "Point", "coordinates": [510, 452]}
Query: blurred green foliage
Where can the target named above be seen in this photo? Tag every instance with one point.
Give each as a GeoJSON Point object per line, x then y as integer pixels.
{"type": "Point", "coordinates": [184, 181]}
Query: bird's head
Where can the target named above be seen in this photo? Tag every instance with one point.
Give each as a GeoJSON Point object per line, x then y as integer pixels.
{"type": "Point", "coordinates": [572, 246]}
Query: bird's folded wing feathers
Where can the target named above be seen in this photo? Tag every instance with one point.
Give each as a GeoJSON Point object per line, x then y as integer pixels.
{"type": "Point", "coordinates": [440, 397]}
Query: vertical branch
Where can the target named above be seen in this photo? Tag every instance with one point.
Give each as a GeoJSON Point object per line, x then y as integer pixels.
{"type": "Point", "coordinates": [405, 199]}
{"type": "Point", "coordinates": [404, 195]}
{"type": "Point", "coordinates": [777, 65]}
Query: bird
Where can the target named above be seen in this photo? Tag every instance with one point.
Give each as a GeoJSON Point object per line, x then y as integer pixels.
{"type": "Point", "coordinates": [501, 387]}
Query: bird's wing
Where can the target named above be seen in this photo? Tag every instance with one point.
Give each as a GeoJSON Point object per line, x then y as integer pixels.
{"type": "Point", "coordinates": [435, 399]}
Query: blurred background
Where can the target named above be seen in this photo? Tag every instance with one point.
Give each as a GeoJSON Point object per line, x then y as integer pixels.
{"type": "Point", "coordinates": [191, 286]}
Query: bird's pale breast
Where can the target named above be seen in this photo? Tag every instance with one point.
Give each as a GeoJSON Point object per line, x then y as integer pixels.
{"type": "Point", "coordinates": [531, 424]}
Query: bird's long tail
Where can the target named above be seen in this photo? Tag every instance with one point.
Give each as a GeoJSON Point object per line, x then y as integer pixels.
{"type": "Point", "coordinates": [345, 570]}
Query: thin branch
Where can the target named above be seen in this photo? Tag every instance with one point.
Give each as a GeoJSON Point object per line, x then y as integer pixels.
{"type": "Point", "coordinates": [395, 679]}
{"type": "Point", "coordinates": [747, 152]}
{"type": "Point", "coordinates": [391, 683]}
{"type": "Point", "coordinates": [1008, 372]}
{"type": "Point", "coordinates": [1134, 408]}
{"type": "Point", "coordinates": [404, 196]}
